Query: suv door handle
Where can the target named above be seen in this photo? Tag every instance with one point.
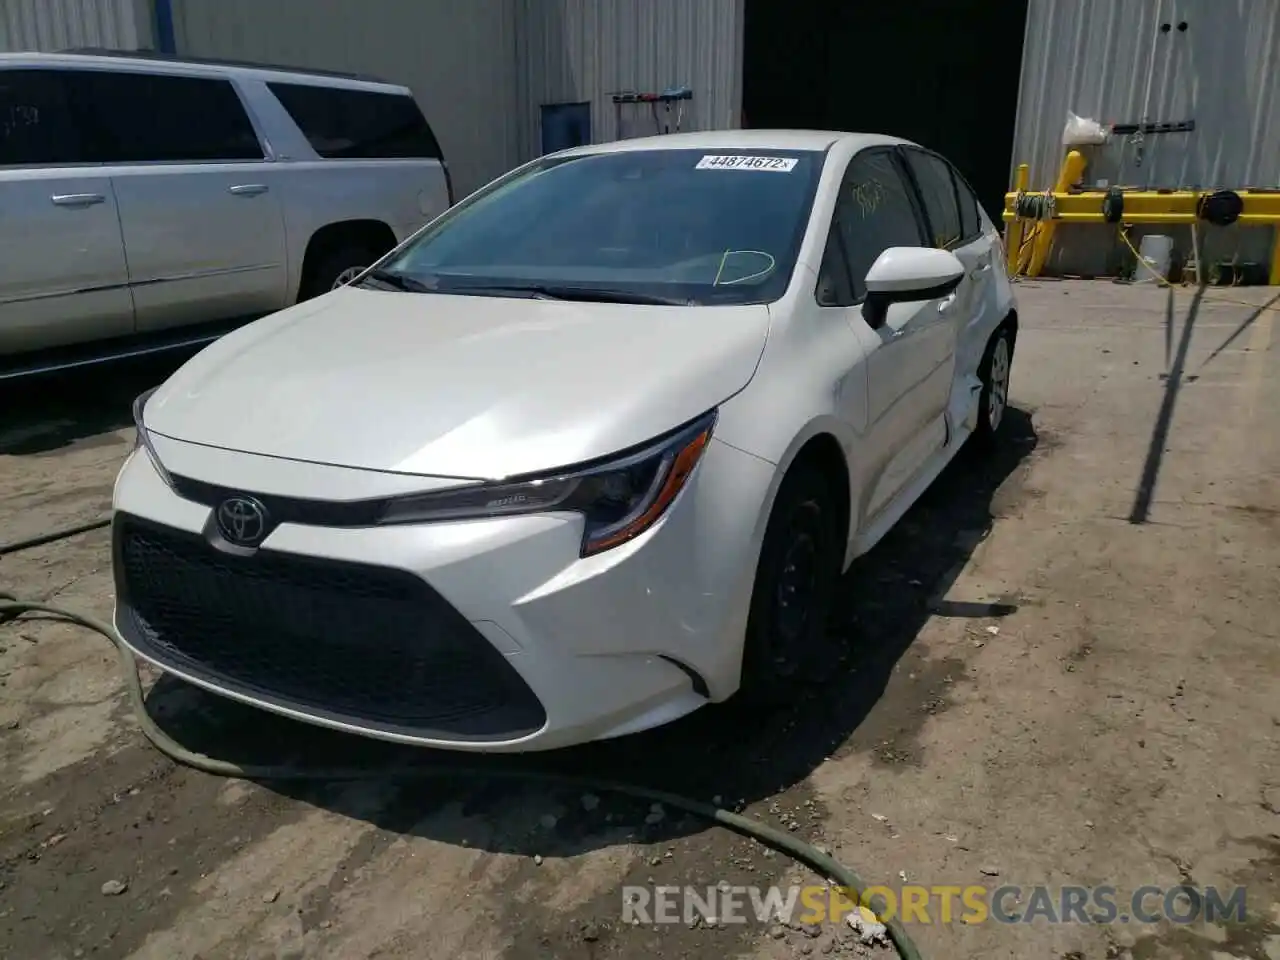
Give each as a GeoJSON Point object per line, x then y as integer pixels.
{"type": "Point", "coordinates": [247, 189]}
{"type": "Point", "coordinates": [77, 199]}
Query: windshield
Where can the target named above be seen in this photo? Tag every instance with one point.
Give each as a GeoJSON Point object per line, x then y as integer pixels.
{"type": "Point", "coordinates": [682, 226]}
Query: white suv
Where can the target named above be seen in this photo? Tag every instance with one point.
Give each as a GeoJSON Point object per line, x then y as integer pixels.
{"type": "Point", "coordinates": [150, 202]}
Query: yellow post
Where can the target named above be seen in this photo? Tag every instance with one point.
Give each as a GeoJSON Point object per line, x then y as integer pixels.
{"type": "Point", "coordinates": [1072, 169]}
{"type": "Point", "coordinates": [1274, 280]}
{"type": "Point", "coordinates": [1013, 232]}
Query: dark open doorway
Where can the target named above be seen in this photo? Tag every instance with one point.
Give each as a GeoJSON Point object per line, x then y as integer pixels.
{"type": "Point", "coordinates": [941, 73]}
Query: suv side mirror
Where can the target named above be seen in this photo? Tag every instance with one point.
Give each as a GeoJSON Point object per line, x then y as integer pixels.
{"type": "Point", "coordinates": [906, 275]}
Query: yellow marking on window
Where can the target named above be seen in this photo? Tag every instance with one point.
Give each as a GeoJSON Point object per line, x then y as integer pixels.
{"type": "Point", "coordinates": [867, 195]}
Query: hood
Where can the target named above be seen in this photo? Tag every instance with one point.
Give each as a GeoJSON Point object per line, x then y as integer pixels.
{"type": "Point", "coordinates": [458, 386]}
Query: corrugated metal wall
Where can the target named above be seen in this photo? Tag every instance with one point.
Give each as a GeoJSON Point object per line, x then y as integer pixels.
{"type": "Point", "coordinates": [1108, 60]}
{"type": "Point", "coordinates": [573, 51]}
{"type": "Point", "coordinates": [482, 68]}
{"type": "Point", "coordinates": [59, 24]}
{"type": "Point", "coordinates": [458, 57]}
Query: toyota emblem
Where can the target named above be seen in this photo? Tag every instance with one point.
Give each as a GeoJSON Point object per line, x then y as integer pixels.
{"type": "Point", "coordinates": [242, 521]}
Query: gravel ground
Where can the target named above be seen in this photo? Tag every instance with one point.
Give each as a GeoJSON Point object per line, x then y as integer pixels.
{"type": "Point", "coordinates": [1061, 668]}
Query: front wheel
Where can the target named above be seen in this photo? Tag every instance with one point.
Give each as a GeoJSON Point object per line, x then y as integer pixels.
{"type": "Point", "coordinates": [795, 582]}
{"type": "Point", "coordinates": [994, 372]}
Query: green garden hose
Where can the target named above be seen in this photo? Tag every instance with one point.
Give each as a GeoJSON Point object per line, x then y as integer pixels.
{"type": "Point", "coordinates": [785, 843]}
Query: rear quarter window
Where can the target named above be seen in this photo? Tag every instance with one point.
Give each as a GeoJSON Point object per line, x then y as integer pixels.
{"type": "Point", "coordinates": [970, 219]}
{"type": "Point", "coordinates": [345, 124]}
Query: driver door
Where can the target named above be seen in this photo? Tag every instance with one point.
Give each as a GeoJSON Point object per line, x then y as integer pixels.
{"type": "Point", "coordinates": [877, 209]}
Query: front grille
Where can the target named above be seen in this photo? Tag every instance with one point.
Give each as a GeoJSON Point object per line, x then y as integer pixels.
{"type": "Point", "coordinates": [309, 513]}
{"type": "Point", "coordinates": [365, 644]}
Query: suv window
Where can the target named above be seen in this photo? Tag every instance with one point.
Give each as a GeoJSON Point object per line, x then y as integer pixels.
{"type": "Point", "coordinates": [875, 211]}
{"type": "Point", "coordinates": [35, 122]}
{"type": "Point", "coordinates": [937, 189]}
{"type": "Point", "coordinates": [358, 124]}
{"type": "Point", "coordinates": [141, 117]}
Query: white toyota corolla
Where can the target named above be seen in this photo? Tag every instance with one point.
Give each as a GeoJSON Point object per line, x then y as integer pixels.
{"type": "Point", "coordinates": [587, 452]}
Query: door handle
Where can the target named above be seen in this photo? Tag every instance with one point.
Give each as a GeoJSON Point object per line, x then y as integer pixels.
{"type": "Point", "coordinates": [247, 189]}
{"type": "Point", "coordinates": [980, 270]}
{"type": "Point", "coordinates": [77, 199]}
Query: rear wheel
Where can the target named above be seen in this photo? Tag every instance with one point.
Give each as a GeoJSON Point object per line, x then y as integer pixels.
{"type": "Point", "coordinates": [997, 363]}
{"type": "Point", "coordinates": [794, 585]}
{"type": "Point", "coordinates": [337, 267]}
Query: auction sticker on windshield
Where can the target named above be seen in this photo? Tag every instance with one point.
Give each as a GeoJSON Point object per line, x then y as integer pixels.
{"type": "Point", "coordinates": [775, 164]}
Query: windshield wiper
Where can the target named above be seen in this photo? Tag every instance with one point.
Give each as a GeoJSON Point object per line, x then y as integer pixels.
{"type": "Point", "coordinates": [560, 292]}
{"type": "Point", "coordinates": [400, 281]}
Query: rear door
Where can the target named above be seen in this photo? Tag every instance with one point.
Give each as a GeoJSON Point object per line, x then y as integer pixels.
{"type": "Point", "coordinates": [954, 224]}
{"type": "Point", "coordinates": [981, 242]}
{"type": "Point", "coordinates": [198, 200]}
{"type": "Point", "coordinates": [63, 278]}
{"type": "Point", "coordinates": [951, 211]}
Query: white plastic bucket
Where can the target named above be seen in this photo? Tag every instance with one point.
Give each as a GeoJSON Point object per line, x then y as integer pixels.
{"type": "Point", "coordinates": [1156, 250]}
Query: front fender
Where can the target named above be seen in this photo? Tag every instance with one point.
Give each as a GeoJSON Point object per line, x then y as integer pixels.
{"type": "Point", "coordinates": [811, 380]}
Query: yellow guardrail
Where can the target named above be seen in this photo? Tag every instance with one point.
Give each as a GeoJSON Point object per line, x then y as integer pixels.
{"type": "Point", "coordinates": [1028, 239]}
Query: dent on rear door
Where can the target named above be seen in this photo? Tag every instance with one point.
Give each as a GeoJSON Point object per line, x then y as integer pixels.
{"type": "Point", "coordinates": [974, 296]}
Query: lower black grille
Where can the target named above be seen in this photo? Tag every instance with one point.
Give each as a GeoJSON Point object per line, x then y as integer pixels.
{"type": "Point", "coordinates": [364, 644]}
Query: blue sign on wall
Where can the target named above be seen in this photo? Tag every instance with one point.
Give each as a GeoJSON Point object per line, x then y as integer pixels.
{"type": "Point", "coordinates": [565, 125]}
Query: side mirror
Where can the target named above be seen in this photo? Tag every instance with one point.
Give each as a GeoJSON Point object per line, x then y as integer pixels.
{"type": "Point", "coordinates": [906, 275]}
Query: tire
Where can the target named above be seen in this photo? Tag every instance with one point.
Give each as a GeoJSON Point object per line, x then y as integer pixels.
{"type": "Point", "coordinates": [335, 264]}
{"type": "Point", "coordinates": [794, 587]}
{"type": "Point", "coordinates": [994, 371]}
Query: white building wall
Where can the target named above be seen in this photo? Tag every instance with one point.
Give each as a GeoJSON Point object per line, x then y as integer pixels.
{"type": "Point", "coordinates": [574, 51]}
{"type": "Point", "coordinates": [62, 24]}
{"type": "Point", "coordinates": [458, 57]}
{"type": "Point", "coordinates": [1109, 60]}
{"type": "Point", "coordinates": [480, 68]}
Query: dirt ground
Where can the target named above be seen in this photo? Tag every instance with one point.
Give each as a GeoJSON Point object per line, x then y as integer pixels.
{"type": "Point", "coordinates": [1063, 667]}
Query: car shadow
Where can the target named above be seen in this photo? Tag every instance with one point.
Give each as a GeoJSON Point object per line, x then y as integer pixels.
{"type": "Point", "coordinates": [723, 751]}
{"type": "Point", "coordinates": [48, 413]}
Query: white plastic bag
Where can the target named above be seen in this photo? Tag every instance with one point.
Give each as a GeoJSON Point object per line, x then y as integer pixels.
{"type": "Point", "coordinates": [1081, 131]}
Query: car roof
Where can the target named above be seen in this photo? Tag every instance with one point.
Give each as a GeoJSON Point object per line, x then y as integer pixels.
{"type": "Point", "coordinates": [813, 140]}
{"type": "Point", "coordinates": [194, 66]}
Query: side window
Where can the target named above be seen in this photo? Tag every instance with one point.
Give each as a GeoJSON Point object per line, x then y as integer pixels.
{"type": "Point", "coordinates": [358, 124]}
{"type": "Point", "coordinates": [970, 221]}
{"type": "Point", "coordinates": [35, 122]}
{"type": "Point", "coordinates": [140, 117]}
{"type": "Point", "coordinates": [875, 211]}
{"type": "Point", "coordinates": [833, 289]}
{"type": "Point", "coordinates": [937, 189]}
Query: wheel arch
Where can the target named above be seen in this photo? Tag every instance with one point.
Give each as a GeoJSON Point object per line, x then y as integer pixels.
{"type": "Point", "coordinates": [372, 234]}
{"type": "Point", "coordinates": [818, 445]}
{"type": "Point", "coordinates": [1010, 323]}
{"type": "Point", "coordinates": [819, 453]}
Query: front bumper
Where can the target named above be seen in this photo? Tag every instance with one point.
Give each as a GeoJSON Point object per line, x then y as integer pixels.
{"type": "Point", "coordinates": [480, 635]}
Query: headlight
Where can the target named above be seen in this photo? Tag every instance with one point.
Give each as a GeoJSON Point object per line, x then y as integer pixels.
{"type": "Point", "coordinates": [143, 439]}
{"type": "Point", "coordinates": [619, 499]}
